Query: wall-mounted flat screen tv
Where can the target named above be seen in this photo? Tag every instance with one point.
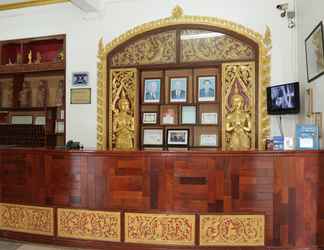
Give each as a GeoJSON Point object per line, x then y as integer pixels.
{"type": "Point", "coordinates": [283, 99]}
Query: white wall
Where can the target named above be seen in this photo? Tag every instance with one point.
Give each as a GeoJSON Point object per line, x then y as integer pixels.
{"type": "Point", "coordinates": [309, 14]}
{"type": "Point", "coordinates": [83, 33]}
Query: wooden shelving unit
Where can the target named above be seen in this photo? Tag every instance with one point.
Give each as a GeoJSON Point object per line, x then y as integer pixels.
{"type": "Point", "coordinates": [32, 91]}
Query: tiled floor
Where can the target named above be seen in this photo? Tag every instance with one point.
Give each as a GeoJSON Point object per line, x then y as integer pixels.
{"type": "Point", "coordinates": [14, 245]}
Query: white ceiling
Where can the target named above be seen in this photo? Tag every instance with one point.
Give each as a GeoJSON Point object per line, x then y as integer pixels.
{"type": "Point", "coordinates": [88, 6]}
{"type": "Point", "coordinates": [12, 1]}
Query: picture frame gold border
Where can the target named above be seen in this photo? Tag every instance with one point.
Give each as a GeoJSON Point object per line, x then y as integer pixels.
{"type": "Point", "coordinates": [178, 18]}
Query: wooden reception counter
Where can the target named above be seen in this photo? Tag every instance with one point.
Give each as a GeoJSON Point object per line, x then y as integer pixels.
{"type": "Point", "coordinates": [163, 200]}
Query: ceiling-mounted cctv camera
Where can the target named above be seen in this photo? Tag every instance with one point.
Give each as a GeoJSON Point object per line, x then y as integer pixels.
{"type": "Point", "coordinates": [282, 7]}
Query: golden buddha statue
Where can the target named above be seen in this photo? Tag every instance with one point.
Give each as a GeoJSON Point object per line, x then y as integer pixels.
{"type": "Point", "coordinates": [123, 125]}
{"type": "Point", "coordinates": [238, 124]}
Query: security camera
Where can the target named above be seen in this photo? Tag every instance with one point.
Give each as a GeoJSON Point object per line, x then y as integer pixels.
{"type": "Point", "coordinates": [282, 7]}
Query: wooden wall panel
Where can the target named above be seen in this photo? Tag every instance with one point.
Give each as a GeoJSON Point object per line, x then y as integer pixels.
{"type": "Point", "coordinates": [66, 180]}
{"type": "Point", "coordinates": [21, 178]}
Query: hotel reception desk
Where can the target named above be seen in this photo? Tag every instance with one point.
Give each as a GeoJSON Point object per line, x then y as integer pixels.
{"type": "Point", "coordinates": [163, 200]}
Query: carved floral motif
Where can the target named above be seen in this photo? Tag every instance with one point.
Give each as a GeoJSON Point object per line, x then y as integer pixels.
{"type": "Point", "coordinates": [89, 225]}
{"type": "Point", "coordinates": [154, 49]}
{"type": "Point", "coordinates": [26, 219]}
{"type": "Point", "coordinates": [160, 229]}
{"type": "Point", "coordinates": [232, 230]}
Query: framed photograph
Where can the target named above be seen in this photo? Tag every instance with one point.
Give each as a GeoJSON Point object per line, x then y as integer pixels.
{"type": "Point", "coordinates": [178, 89]}
{"type": "Point", "coordinates": [315, 53]}
{"type": "Point", "coordinates": [209, 118]}
{"type": "Point", "coordinates": [207, 89]}
{"type": "Point", "coordinates": [149, 117]}
{"type": "Point", "coordinates": [152, 137]}
{"type": "Point", "coordinates": [80, 79]}
{"type": "Point", "coordinates": [169, 115]}
{"type": "Point", "coordinates": [208, 140]}
{"type": "Point", "coordinates": [178, 137]}
{"type": "Point", "coordinates": [188, 115]}
{"type": "Point", "coordinates": [80, 96]}
{"type": "Point", "coordinates": [152, 91]}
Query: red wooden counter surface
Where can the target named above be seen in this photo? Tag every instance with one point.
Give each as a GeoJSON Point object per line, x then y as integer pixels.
{"type": "Point", "coordinates": [287, 186]}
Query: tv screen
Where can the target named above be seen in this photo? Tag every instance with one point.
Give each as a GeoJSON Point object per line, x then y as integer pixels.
{"type": "Point", "coordinates": [283, 99]}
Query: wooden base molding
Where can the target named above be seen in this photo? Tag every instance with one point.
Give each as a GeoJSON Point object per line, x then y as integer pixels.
{"type": "Point", "coordinates": [232, 230]}
{"type": "Point", "coordinates": [88, 225]}
{"type": "Point", "coordinates": [26, 219]}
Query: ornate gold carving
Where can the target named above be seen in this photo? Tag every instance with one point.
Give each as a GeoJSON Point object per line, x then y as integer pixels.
{"type": "Point", "coordinates": [160, 229]}
{"type": "Point", "coordinates": [214, 47]}
{"type": "Point", "coordinates": [232, 230]}
{"type": "Point", "coordinates": [264, 80]}
{"type": "Point", "coordinates": [123, 109]}
{"type": "Point", "coordinates": [88, 225]}
{"type": "Point", "coordinates": [177, 11]}
{"type": "Point", "coordinates": [155, 49]}
{"type": "Point", "coordinates": [101, 97]}
{"type": "Point", "coordinates": [238, 106]}
{"type": "Point", "coordinates": [26, 219]}
{"type": "Point", "coordinates": [264, 45]}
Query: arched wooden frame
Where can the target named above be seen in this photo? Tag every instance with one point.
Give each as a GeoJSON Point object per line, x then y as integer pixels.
{"type": "Point", "coordinates": [262, 46]}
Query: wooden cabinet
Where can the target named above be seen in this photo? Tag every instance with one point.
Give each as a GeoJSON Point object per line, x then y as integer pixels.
{"type": "Point", "coordinates": [32, 91]}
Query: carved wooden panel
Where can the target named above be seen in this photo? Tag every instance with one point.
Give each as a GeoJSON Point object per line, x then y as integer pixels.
{"type": "Point", "coordinates": [202, 45]}
{"type": "Point", "coordinates": [88, 225]}
{"type": "Point", "coordinates": [232, 230]}
{"type": "Point", "coordinates": [123, 110]}
{"type": "Point", "coordinates": [238, 106]}
{"type": "Point", "coordinates": [26, 219]}
{"type": "Point", "coordinates": [162, 229]}
{"type": "Point", "coordinates": [152, 49]}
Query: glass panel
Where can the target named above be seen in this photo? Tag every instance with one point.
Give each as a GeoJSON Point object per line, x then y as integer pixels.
{"type": "Point", "coordinates": [204, 45]}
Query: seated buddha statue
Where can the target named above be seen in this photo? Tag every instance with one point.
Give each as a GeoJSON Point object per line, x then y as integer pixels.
{"type": "Point", "coordinates": [123, 125]}
{"type": "Point", "coordinates": [238, 124]}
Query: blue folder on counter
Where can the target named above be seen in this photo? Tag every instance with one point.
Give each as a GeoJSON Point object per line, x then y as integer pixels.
{"type": "Point", "coordinates": [307, 137]}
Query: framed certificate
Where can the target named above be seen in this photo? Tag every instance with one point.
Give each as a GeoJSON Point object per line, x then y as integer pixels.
{"type": "Point", "coordinates": [149, 118]}
{"type": "Point", "coordinates": [152, 137]}
{"type": "Point", "coordinates": [208, 140]}
{"type": "Point", "coordinates": [22, 119]}
{"type": "Point", "coordinates": [209, 118]}
{"type": "Point", "coordinates": [40, 120]}
{"type": "Point", "coordinates": [81, 96]}
{"type": "Point", "coordinates": [188, 115]}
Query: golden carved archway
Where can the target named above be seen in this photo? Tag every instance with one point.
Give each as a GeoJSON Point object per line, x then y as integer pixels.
{"type": "Point", "coordinates": [264, 46]}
